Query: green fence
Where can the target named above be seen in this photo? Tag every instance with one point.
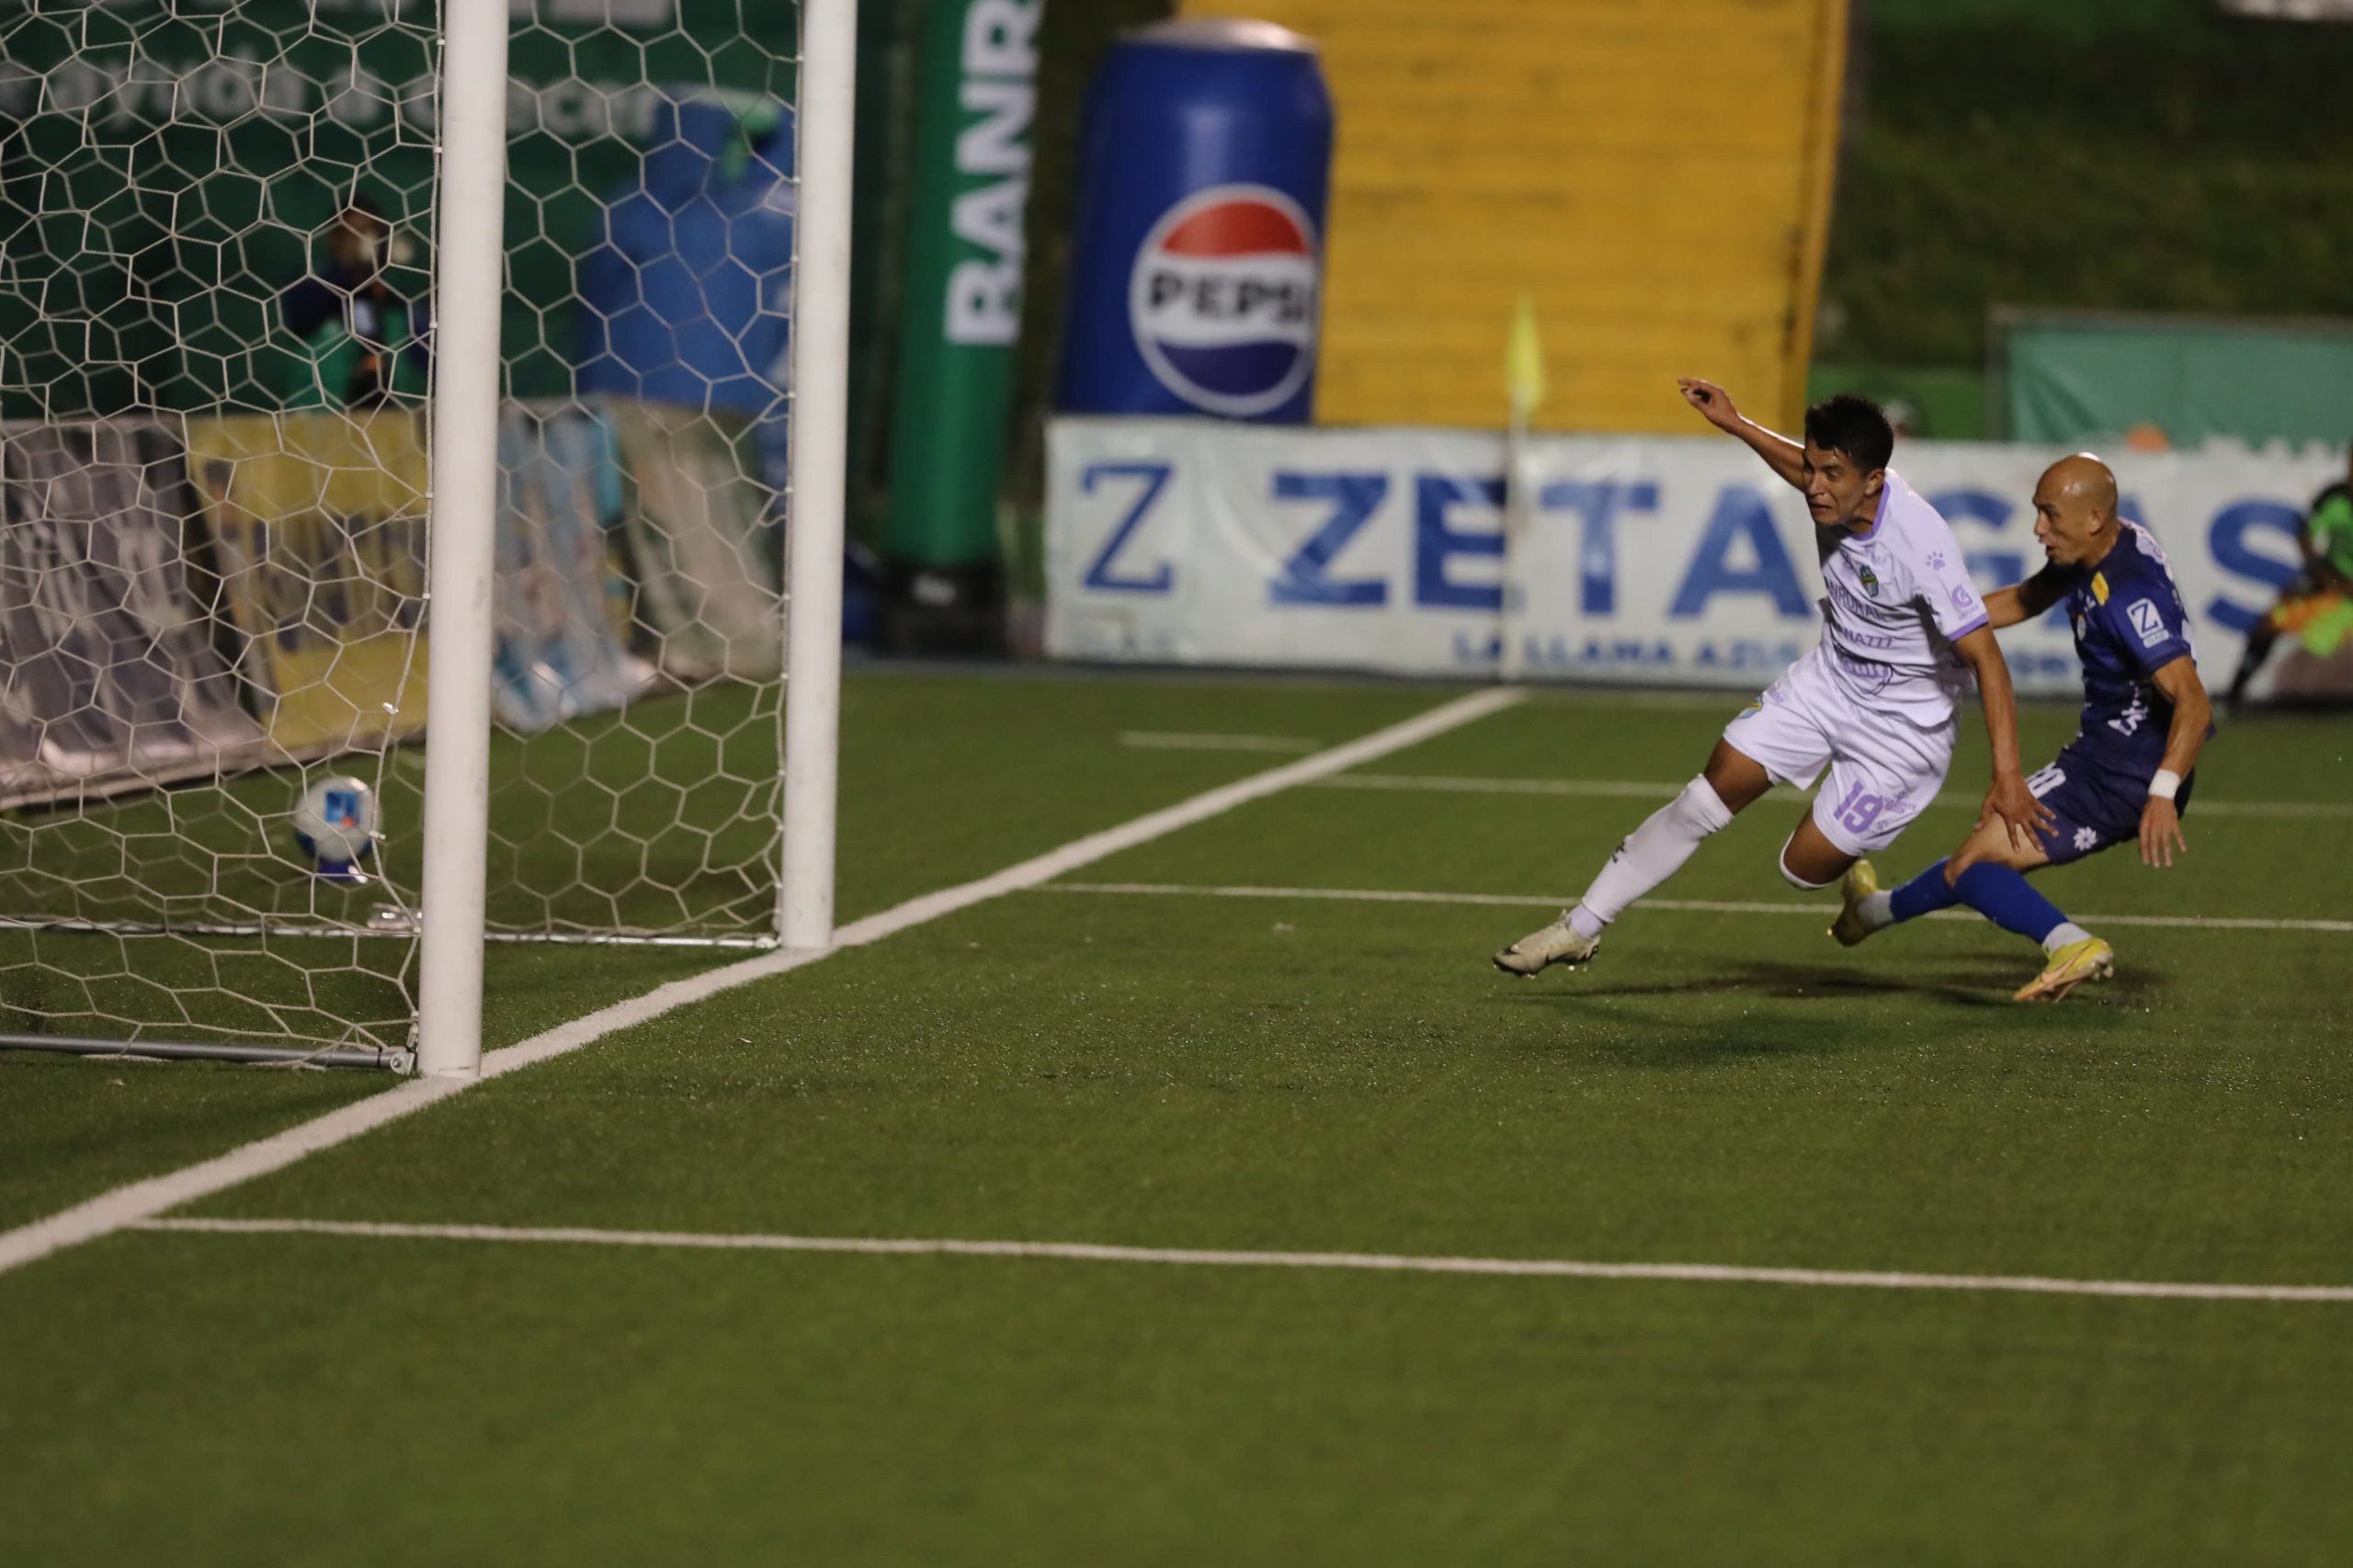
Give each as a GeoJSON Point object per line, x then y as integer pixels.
{"type": "Point", "coordinates": [2067, 376]}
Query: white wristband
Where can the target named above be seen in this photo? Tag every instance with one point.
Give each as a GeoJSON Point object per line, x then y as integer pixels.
{"type": "Point", "coordinates": [2165, 785]}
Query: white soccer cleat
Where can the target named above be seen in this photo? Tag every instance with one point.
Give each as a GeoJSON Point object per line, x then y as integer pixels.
{"type": "Point", "coordinates": [1556, 943]}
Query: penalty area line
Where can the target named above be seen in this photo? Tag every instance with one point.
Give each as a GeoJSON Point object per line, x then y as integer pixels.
{"type": "Point", "coordinates": [1672, 905]}
{"type": "Point", "coordinates": [1193, 1257]}
{"type": "Point", "coordinates": [129, 1206]}
{"type": "Point", "coordinates": [1172, 740]}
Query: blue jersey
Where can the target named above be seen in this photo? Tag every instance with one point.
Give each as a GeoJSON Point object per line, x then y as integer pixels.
{"type": "Point", "coordinates": [2129, 624]}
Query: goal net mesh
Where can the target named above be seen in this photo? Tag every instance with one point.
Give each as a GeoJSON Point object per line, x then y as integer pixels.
{"type": "Point", "coordinates": [216, 342]}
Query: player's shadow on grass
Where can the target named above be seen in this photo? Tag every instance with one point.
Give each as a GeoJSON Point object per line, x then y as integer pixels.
{"type": "Point", "coordinates": [1977, 984]}
{"type": "Point", "coordinates": [1975, 980]}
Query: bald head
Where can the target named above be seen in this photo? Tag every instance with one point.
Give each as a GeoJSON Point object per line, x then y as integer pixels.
{"type": "Point", "coordinates": [2074, 510]}
{"type": "Point", "coordinates": [2084, 478]}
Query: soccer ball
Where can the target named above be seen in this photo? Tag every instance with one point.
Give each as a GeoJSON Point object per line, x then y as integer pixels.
{"type": "Point", "coordinates": [335, 825]}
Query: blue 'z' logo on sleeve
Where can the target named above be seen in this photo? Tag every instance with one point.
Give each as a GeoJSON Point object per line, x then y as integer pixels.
{"type": "Point", "coordinates": [2149, 623]}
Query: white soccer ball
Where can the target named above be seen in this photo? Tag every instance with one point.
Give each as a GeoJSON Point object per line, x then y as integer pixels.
{"type": "Point", "coordinates": [335, 824]}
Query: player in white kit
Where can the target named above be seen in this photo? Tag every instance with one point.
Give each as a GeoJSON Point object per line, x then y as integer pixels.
{"type": "Point", "coordinates": [1876, 702]}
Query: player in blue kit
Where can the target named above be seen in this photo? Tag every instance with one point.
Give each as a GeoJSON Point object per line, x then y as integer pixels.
{"type": "Point", "coordinates": [2127, 774]}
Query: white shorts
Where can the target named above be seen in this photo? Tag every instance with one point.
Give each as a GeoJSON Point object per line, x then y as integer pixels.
{"type": "Point", "coordinates": [1884, 768]}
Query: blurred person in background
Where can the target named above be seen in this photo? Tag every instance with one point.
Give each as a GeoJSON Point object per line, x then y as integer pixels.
{"type": "Point", "coordinates": [2317, 606]}
{"type": "Point", "coordinates": [362, 341]}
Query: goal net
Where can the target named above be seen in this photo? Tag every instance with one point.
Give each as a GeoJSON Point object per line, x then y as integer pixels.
{"type": "Point", "coordinates": [221, 341]}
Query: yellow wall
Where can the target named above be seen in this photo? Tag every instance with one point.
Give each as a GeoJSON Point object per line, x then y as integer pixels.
{"type": "Point", "coordinates": [1654, 172]}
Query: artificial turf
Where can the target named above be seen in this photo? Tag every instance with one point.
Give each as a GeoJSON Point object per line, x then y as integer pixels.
{"type": "Point", "coordinates": [944, 777]}
{"type": "Point", "coordinates": [1289, 1074]}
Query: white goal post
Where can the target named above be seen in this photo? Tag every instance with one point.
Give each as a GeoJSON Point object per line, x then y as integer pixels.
{"type": "Point", "coordinates": [437, 404]}
{"type": "Point", "coordinates": [820, 421]}
{"type": "Point", "coordinates": [468, 283]}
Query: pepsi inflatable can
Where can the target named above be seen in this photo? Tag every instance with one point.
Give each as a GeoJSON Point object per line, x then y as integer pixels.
{"type": "Point", "coordinates": [1197, 264]}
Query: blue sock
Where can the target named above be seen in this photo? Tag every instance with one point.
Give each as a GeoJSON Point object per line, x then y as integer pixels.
{"type": "Point", "coordinates": [1923, 894]}
{"type": "Point", "coordinates": [2003, 897]}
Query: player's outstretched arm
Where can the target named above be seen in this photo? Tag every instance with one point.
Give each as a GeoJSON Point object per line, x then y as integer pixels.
{"type": "Point", "coordinates": [2023, 601]}
{"type": "Point", "coordinates": [1783, 456]}
{"type": "Point", "coordinates": [2193, 712]}
{"type": "Point", "coordinates": [2008, 798]}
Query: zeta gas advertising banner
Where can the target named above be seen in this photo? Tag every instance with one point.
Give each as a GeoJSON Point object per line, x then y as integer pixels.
{"type": "Point", "coordinates": [1664, 561]}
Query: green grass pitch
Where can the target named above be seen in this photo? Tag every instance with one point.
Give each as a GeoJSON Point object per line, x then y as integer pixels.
{"type": "Point", "coordinates": [1175, 1069]}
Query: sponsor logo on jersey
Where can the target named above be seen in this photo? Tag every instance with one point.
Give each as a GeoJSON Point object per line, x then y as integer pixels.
{"type": "Point", "coordinates": [2148, 621]}
{"type": "Point", "coordinates": [2099, 588]}
{"type": "Point", "coordinates": [1222, 299]}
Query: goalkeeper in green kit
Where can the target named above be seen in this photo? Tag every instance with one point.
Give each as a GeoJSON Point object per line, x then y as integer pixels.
{"type": "Point", "coordinates": [2317, 606]}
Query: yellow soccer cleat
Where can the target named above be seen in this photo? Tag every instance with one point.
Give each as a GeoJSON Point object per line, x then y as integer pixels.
{"type": "Point", "coordinates": [2090, 959]}
{"type": "Point", "coordinates": [1860, 882]}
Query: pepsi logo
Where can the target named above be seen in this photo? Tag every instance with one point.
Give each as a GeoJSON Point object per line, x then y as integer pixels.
{"type": "Point", "coordinates": [1223, 299]}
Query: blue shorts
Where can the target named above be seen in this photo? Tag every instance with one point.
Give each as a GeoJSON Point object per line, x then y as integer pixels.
{"type": "Point", "coordinates": [2097, 802]}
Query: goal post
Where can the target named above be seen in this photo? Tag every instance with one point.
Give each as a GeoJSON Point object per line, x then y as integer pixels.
{"type": "Point", "coordinates": [820, 446]}
{"type": "Point", "coordinates": [469, 280]}
{"type": "Point", "coordinates": [422, 430]}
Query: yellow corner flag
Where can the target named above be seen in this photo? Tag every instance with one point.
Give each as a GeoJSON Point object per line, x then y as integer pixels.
{"type": "Point", "coordinates": [1524, 362]}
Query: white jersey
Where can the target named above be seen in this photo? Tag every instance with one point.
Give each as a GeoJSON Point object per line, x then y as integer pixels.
{"type": "Point", "coordinates": [1898, 597]}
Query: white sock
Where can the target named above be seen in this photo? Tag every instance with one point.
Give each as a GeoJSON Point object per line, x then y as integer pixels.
{"type": "Point", "coordinates": [1650, 854]}
{"type": "Point", "coordinates": [2066, 931]}
{"type": "Point", "coordinates": [1877, 912]}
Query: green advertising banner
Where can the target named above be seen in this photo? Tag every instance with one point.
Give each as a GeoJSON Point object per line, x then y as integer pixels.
{"type": "Point", "coordinates": [169, 167]}
{"type": "Point", "coordinates": [960, 315]}
{"type": "Point", "coordinates": [2174, 380]}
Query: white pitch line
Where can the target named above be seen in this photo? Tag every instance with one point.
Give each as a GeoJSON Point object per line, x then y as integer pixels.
{"type": "Point", "coordinates": [1638, 790]}
{"type": "Point", "coordinates": [1171, 740]}
{"type": "Point", "coordinates": [1603, 788]}
{"type": "Point", "coordinates": [142, 1201]}
{"type": "Point", "coordinates": [1374, 1262]}
{"type": "Point", "coordinates": [1683, 905]}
